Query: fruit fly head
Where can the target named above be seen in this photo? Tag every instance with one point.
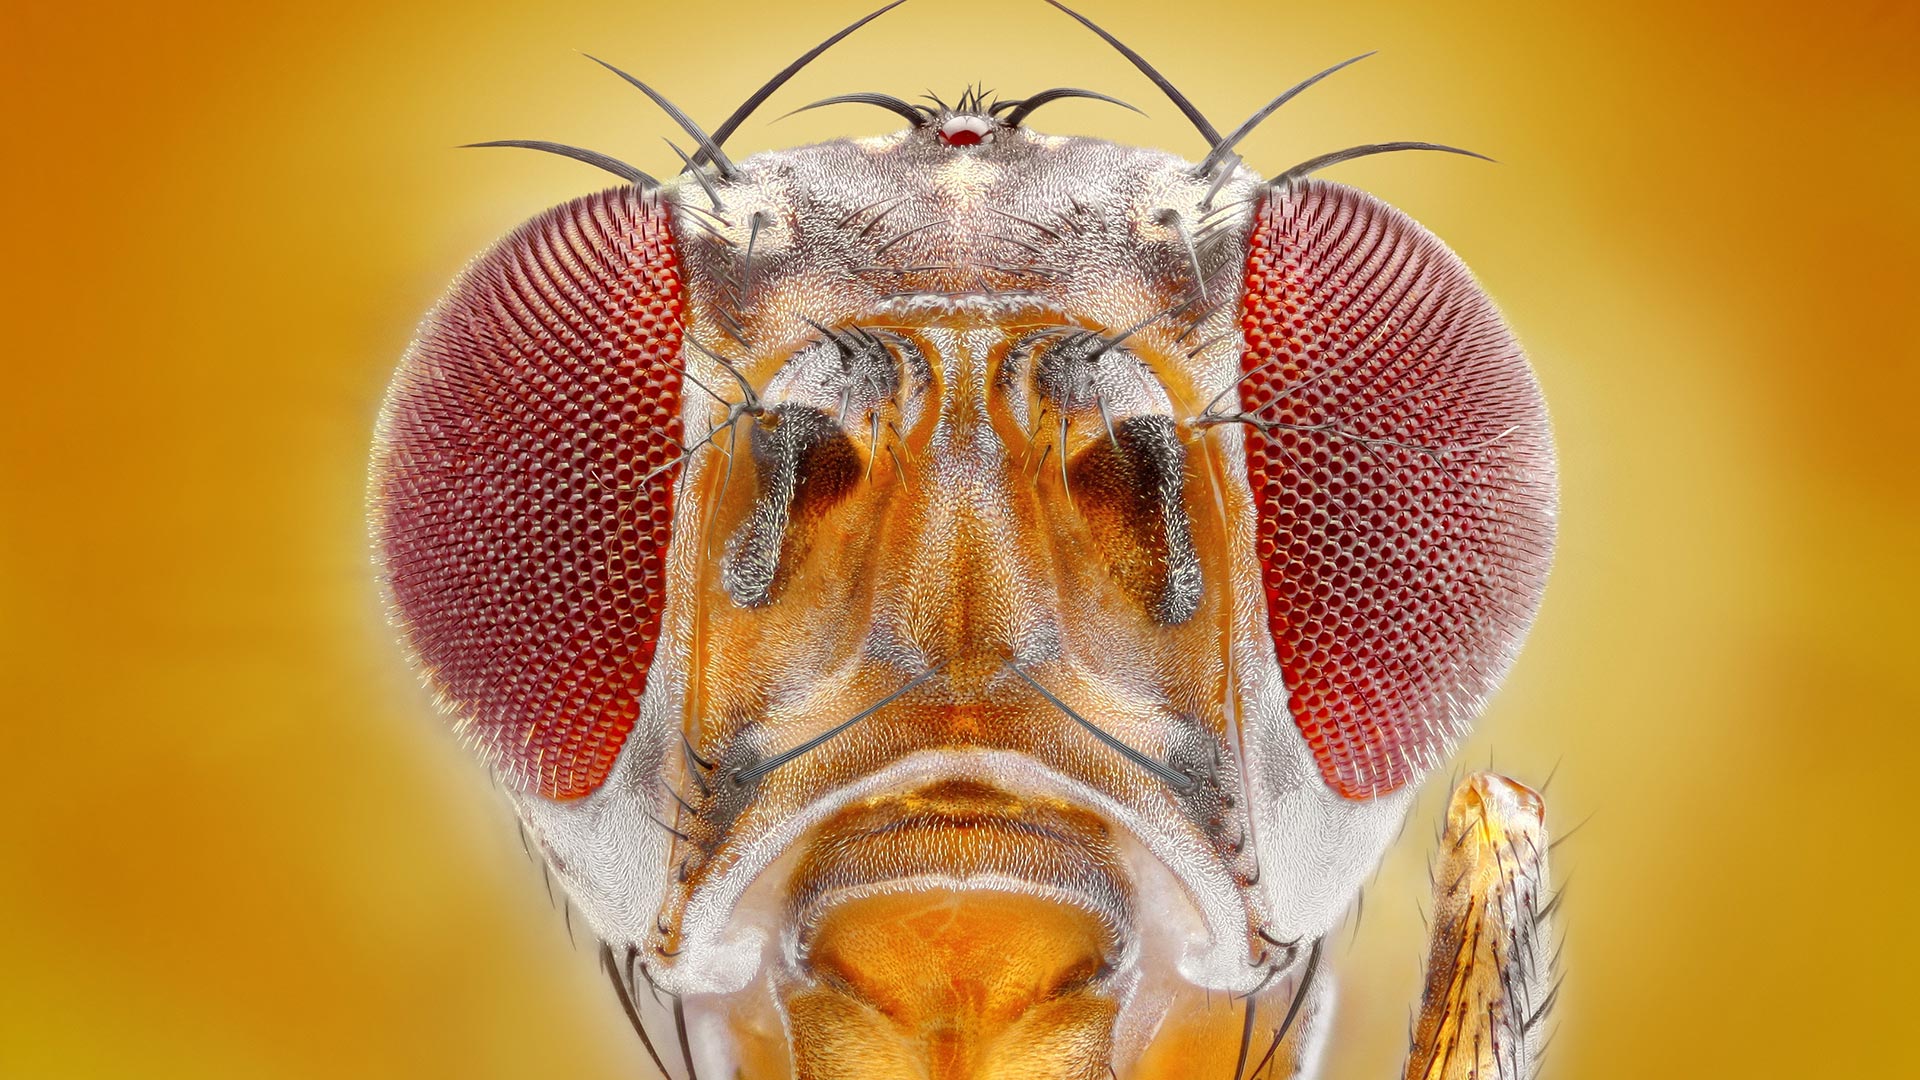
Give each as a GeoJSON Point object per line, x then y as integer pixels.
{"type": "Point", "coordinates": [961, 549]}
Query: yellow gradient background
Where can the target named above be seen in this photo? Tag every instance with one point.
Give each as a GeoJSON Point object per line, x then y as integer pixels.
{"type": "Point", "coordinates": [241, 844]}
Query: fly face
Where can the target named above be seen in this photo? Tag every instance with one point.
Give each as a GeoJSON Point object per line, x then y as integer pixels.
{"type": "Point", "coordinates": [951, 603]}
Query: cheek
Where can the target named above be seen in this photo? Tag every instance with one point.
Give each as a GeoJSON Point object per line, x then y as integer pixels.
{"type": "Point", "coordinates": [1403, 479]}
{"type": "Point", "coordinates": [523, 488]}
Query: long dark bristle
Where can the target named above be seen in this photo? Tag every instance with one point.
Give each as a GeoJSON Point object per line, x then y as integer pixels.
{"type": "Point", "coordinates": [917, 115]}
{"type": "Point", "coordinates": [625, 994]}
{"type": "Point", "coordinates": [1293, 1007]}
{"type": "Point", "coordinates": [1207, 130]}
{"type": "Point", "coordinates": [747, 776]}
{"type": "Point", "coordinates": [711, 148]}
{"type": "Point", "coordinates": [591, 157]}
{"type": "Point", "coordinates": [1221, 149]}
{"type": "Point", "coordinates": [686, 1044]}
{"type": "Point", "coordinates": [1313, 165]}
{"type": "Point", "coordinates": [700, 175]}
{"type": "Point", "coordinates": [721, 133]}
{"type": "Point", "coordinates": [1166, 774]}
{"type": "Point", "coordinates": [1024, 107]}
{"type": "Point", "coordinates": [755, 223]}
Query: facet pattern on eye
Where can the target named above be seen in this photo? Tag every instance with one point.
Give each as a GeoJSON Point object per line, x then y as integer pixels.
{"type": "Point", "coordinates": [1399, 459]}
{"type": "Point", "coordinates": [967, 752]}
{"type": "Point", "coordinates": [523, 487]}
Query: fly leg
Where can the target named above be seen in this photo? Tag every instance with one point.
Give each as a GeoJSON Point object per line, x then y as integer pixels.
{"type": "Point", "coordinates": [1490, 980]}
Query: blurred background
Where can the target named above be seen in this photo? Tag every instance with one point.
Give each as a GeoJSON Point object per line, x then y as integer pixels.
{"type": "Point", "coordinates": [243, 845]}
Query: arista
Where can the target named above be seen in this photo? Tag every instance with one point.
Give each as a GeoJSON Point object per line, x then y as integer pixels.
{"type": "Point", "coordinates": [970, 603]}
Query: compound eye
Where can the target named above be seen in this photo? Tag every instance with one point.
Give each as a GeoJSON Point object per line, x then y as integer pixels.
{"type": "Point", "coordinates": [1403, 479]}
{"type": "Point", "coordinates": [523, 485]}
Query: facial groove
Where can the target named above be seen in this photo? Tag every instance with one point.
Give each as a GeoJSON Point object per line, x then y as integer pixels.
{"type": "Point", "coordinates": [803, 462]}
{"type": "Point", "coordinates": [1131, 491]}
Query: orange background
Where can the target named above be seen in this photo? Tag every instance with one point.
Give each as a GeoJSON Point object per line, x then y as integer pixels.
{"type": "Point", "coordinates": [242, 845]}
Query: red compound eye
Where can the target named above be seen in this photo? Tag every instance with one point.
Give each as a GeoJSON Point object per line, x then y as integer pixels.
{"type": "Point", "coordinates": [1404, 485]}
{"type": "Point", "coordinates": [516, 501]}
